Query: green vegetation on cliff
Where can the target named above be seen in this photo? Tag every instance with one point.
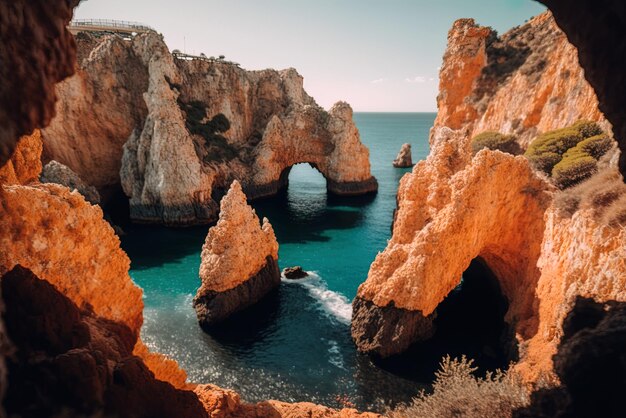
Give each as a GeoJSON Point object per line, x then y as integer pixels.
{"type": "Point", "coordinates": [495, 141]}
{"type": "Point", "coordinates": [569, 155]}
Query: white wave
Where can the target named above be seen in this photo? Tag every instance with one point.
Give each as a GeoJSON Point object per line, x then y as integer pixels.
{"type": "Point", "coordinates": [334, 304]}
{"type": "Point", "coordinates": [335, 357]}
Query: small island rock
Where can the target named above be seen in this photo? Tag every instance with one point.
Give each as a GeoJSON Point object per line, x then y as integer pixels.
{"type": "Point", "coordinates": [294, 273]}
{"type": "Point", "coordinates": [239, 261]}
{"type": "Point", "coordinates": [404, 159]}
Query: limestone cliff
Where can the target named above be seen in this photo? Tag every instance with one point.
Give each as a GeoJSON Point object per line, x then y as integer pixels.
{"type": "Point", "coordinates": [481, 71]}
{"type": "Point", "coordinates": [456, 207]}
{"type": "Point", "coordinates": [239, 261]}
{"type": "Point", "coordinates": [190, 127]}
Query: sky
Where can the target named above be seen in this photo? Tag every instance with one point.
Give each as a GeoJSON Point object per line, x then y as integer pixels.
{"type": "Point", "coordinates": [378, 55]}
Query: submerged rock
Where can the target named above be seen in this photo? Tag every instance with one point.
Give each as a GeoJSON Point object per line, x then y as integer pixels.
{"type": "Point", "coordinates": [239, 261]}
{"type": "Point", "coordinates": [55, 172]}
{"type": "Point", "coordinates": [294, 273]}
{"type": "Point", "coordinates": [404, 159]}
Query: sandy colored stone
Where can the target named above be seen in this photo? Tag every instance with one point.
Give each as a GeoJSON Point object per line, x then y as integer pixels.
{"type": "Point", "coordinates": [126, 107]}
{"type": "Point", "coordinates": [24, 165]}
{"type": "Point", "coordinates": [55, 172]}
{"type": "Point", "coordinates": [403, 159]}
{"type": "Point", "coordinates": [452, 209]}
{"type": "Point", "coordinates": [480, 71]}
{"type": "Point", "coordinates": [97, 110]}
{"type": "Point", "coordinates": [224, 403]}
{"type": "Point", "coordinates": [235, 248]}
{"type": "Point", "coordinates": [60, 237]}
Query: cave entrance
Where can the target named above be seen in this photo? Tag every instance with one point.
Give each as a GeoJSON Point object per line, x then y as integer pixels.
{"type": "Point", "coordinates": [470, 322]}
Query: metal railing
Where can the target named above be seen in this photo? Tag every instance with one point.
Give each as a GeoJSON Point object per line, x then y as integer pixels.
{"type": "Point", "coordinates": [187, 57]}
{"type": "Point", "coordinates": [109, 25]}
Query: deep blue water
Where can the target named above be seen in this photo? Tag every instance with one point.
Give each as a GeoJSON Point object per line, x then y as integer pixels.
{"type": "Point", "coordinates": [296, 345]}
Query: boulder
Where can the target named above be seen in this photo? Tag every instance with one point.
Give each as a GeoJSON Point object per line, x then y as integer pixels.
{"type": "Point", "coordinates": [404, 159]}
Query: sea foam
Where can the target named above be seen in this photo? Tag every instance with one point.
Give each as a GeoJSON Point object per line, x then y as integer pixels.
{"type": "Point", "coordinates": [334, 304]}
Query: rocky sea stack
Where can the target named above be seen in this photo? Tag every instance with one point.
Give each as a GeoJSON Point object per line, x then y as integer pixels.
{"type": "Point", "coordinates": [239, 261]}
{"type": "Point", "coordinates": [404, 160]}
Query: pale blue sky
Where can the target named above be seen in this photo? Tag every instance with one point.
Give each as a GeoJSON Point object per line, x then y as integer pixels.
{"type": "Point", "coordinates": [378, 55]}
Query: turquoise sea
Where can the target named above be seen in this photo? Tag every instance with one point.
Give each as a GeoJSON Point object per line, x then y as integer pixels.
{"type": "Point", "coordinates": [296, 345]}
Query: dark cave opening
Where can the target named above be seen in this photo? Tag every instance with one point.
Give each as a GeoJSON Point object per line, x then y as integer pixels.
{"type": "Point", "coordinates": [470, 322]}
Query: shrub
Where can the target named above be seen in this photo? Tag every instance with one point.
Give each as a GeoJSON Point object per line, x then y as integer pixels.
{"type": "Point", "coordinates": [580, 162]}
{"type": "Point", "coordinates": [216, 146]}
{"type": "Point", "coordinates": [569, 155]}
{"type": "Point", "coordinates": [596, 146]}
{"type": "Point", "coordinates": [495, 141]}
{"type": "Point", "coordinates": [458, 393]}
{"type": "Point", "coordinates": [572, 170]}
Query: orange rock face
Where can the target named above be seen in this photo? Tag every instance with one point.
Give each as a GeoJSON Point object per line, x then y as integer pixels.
{"type": "Point", "coordinates": [454, 207]}
{"type": "Point", "coordinates": [480, 71]}
{"type": "Point", "coordinates": [25, 163]}
{"type": "Point", "coordinates": [239, 261]}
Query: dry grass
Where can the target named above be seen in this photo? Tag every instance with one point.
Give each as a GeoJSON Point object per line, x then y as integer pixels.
{"type": "Point", "coordinates": [458, 393]}
{"type": "Point", "coordinates": [604, 194]}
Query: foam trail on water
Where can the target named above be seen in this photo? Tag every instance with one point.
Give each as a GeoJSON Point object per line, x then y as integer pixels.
{"type": "Point", "coordinates": [334, 304]}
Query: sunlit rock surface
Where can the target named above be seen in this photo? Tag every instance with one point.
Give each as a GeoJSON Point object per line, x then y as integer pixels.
{"type": "Point", "coordinates": [455, 207]}
{"type": "Point", "coordinates": [175, 133]}
{"type": "Point", "coordinates": [404, 157]}
{"type": "Point", "coordinates": [239, 261]}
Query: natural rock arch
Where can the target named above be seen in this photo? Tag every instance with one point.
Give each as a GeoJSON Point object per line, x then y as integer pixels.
{"type": "Point", "coordinates": [452, 210]}
{"type": "Point", "coordinates": [332, 148]}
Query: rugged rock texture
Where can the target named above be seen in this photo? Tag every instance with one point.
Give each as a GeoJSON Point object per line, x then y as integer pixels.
{"type": "Point", "coordinates": [55, 172]}
{"type": "Point", "coordinates": [598, 30]}
{"type": "Point", "coordinates": [25, 163]}
{"type": "Point", "coordinates": [404, 157]}
{"type": "Point", "coordinates": [37, 51]}
{"type": "Point", "coordinates": [72, 362]}
{"type": "Point", "coordinates": [590, 364]}
{"type": "Point", "coordinates": [480, 70]}
{"type": "Point", "coordinates": [239, 261]}
{"type": "Point", "coordinates": [191, 127]}
{"type": "Point", "coordinates": [294, 273]}
{"type": "Point", "coordinates": [455, 207]}
{"type": "Point", "coordinates": [97, 110]}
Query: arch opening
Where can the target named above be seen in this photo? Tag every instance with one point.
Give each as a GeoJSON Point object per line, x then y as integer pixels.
{"type": "Point", "coordinates": [469, 321]}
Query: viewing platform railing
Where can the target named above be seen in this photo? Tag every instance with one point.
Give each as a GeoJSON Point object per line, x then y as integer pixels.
{"type": "Point", "coordinates": [187, 57]}
{"type": "Point", "coordinates": [107, 25]}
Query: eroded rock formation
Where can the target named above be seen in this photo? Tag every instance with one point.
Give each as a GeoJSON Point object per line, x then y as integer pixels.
{"type": "Point", "coordinates": [597, 29]}
{"type": "Point", "coordinates": [404, 157]}
{"type": "Point", "coordinates": [36, 52]}
{"type": "Point", "coordinates": [535, 60]}
{"type": "Point", "coordinates": [239, 261]}
{"type": "Point", "coordinates": [455, 207]}
{"type": "Point", "coordinates": [190, 127]}
{"type": "Point", "coordinates": [55, 172]}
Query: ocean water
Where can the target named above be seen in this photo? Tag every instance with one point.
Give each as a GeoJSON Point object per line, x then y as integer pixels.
{"type": "Point", "coordinates": [295, 345]}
